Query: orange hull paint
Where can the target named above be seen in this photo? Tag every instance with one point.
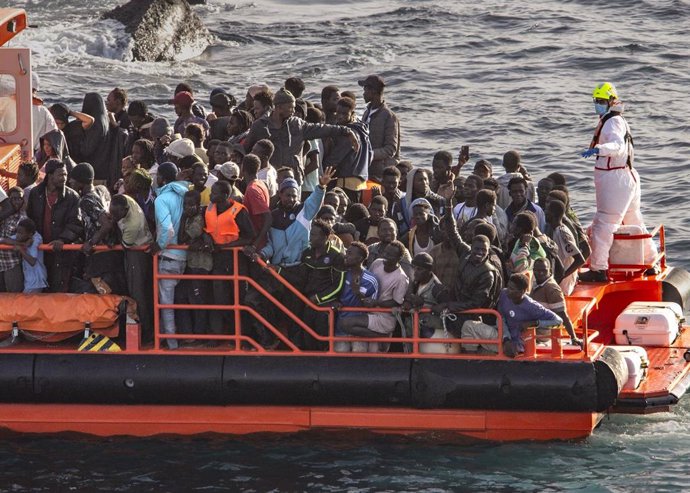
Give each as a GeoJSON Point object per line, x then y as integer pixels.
{"type": "Point", "coordinates": [142, 421]}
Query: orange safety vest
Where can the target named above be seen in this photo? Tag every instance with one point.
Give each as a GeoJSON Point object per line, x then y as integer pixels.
{"type": "Point", "coordinates": [223, 228]}
{"type": "Point", "coordinates": [372, 190]}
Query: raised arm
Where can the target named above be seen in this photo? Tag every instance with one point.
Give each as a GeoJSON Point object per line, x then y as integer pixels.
{"type": "Point", "coordinates": [454, 237]}
{"type": "Point", "coordinates": [86, 120]}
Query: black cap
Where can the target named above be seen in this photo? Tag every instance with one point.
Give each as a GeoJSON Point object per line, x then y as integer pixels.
{"type": "Point", "coordinates": [221, 100]}
{"type": "Point", "coordinates": [375, 81]}
{"type": "Point", "coordinates": [168, 171]}
{"type": "Point", "coordinates": [423, 260]}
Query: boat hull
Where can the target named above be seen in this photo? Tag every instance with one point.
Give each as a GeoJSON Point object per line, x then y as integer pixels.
{"type": "Point", "coordinates": [150, 420]}
{"type": "Point", "coordinates": [142, 395]}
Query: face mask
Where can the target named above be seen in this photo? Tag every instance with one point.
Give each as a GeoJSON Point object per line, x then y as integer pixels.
{"type": "Point", "coordinates": [601, 109]}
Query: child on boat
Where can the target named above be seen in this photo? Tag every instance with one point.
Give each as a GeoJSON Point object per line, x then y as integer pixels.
{"type": "Point", "coordinates": [26, 242]}
{"type": "Point", "coordinates": [199, 261]}
{"type": "Point", "coordinates": [519, 312]}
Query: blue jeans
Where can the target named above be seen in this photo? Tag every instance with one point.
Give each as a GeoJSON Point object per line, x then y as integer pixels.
{"type": "Point", "coordinates": [166, 295]}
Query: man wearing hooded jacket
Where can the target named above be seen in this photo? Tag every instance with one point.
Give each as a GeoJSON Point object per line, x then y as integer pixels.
{"type": "Point", "coordinates": [352, 165]}
{"type": "Point", "coordinates": [616, 182]}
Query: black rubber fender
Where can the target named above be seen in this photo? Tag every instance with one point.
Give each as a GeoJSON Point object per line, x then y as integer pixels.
{"type": "Point", "coordinates": [676, 287]}
{"type": "Point", "coordinates": [612, 374]}
{"type": "Point", "coordinates": [327, 381]}
{"type": "Point", "coordinates": [16, 377]}
{"type": "Point", "coordinates": [330, 381]}
{"type": "Point", "coordinates": [128, 379]}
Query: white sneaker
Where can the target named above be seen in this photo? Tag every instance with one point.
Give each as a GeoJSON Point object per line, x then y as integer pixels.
{"type": "Point", "coordinates": [342, 347]}
{"type": "Point", "coordinates": [360, 347]}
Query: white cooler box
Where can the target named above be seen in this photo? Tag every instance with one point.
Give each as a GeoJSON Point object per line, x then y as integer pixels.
{"type": "Point", "coordinates": [648, 323]}
{"type": "Point", "coordinates": [637, 360]}
{"type": "Point", "coordinates": [627, 251]}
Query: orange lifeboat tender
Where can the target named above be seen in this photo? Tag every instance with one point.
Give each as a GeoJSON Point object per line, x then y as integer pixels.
{"type": "Point", "coordinates": [231, 383]}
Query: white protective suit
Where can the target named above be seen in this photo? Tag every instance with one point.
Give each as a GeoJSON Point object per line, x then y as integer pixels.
{"type": "Point", "coordinates": [617, 188]}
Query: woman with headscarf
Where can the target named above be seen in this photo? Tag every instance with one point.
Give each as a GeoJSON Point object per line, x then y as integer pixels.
{"type": "Point", "coordinates": [100, 145]}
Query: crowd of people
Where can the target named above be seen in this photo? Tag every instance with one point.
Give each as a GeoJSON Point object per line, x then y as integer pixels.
{"type": "Point", "coordinates": [317, 190]}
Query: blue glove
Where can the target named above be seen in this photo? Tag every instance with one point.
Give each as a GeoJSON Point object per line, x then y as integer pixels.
{"type": "Point", "coordinates": [590, 152]}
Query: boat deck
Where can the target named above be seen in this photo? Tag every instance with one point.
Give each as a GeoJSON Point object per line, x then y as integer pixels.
{"type": "Point", "coordinates": [668, 373]}
{"type": "Point", "coordinates": [667, 377]}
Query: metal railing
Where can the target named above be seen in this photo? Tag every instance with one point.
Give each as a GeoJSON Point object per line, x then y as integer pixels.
{"type": "Point", "coordinates": [243, 343]}
{"type": "Point", "coordinates": [414, 342]}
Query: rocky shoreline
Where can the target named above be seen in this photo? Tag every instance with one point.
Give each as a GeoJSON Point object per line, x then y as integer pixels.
{"type": "Point", "coordinates": [162, 30]}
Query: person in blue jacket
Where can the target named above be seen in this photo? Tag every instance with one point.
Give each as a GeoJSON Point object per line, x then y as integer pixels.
{"type": "Point", "coordinates": [287, 239]}
{"type": "Point", "coordinates": [291, 222]}
{"type": "Point", "coordinates": [169, 206]}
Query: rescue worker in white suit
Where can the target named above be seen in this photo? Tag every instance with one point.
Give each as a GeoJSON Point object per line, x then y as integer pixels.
{"type": "Point", "coordinates": [616, 182]}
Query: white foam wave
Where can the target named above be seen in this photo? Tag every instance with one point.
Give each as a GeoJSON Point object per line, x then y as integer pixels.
{"type": "Point", "coordinates": [59, 41]}
{"type": "Point", "coordinates": [111, 41]}
{"type": "Point", "coordinates": [100, 51]}
{"type": "Point", "coordinates": [77, 42]}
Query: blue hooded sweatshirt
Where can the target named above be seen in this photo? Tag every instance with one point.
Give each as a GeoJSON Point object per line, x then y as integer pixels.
{"type": "Point", "coordinates": [169, 205]}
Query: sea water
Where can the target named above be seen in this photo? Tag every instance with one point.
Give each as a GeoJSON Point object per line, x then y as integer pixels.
{"type": "Point", "coordinates": [495, 75]}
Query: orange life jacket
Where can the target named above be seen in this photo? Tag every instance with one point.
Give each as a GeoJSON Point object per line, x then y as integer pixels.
{"type": "Point", "coordinates": [223, 228]}
{"type": "Point", "coordinates": [372, 190]}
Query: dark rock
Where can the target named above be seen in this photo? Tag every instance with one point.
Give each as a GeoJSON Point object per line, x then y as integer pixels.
{"type": "Point", "coordinates": [162, 30]}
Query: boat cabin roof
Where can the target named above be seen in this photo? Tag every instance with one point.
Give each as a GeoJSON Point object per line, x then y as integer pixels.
{"type": "Point", "coordinates": [12, 22]}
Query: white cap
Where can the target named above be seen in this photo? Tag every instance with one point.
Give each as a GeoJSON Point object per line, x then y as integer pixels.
{"type": "Point", "coordinates": [180, 148]}
{"type": "Point", "coordinates": [229, 170]}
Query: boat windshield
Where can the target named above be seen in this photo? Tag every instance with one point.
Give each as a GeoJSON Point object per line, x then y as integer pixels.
{"type": "Point", "coordinates": [8, 104]}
